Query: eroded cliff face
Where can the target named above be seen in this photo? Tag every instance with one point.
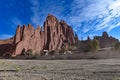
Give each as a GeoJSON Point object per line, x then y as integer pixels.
{"type": "Point", "coordinates": [53, 36]}
{"type": "Point", "coordinates": [6, 47]}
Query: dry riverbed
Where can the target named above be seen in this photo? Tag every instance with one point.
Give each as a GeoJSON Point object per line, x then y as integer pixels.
{"type": "Point", "coordinates": [104, 69]}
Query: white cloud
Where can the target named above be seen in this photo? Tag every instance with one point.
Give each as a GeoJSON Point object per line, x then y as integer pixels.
{"type": "Point", "coordinates": [5, 36]}
{"type": "Point", "coordinates": [35, 9]}
{"type": "Point", "coordinates": [42, 9]}
{"type": "Point", "coordinates": [113, 26]}
{"type": "Point", "coordinates": [15, 22]}
{"type": "Point", "coordinates": [83, 15]}
{"type": "Point", "coordinates": [89, 10]}
{"type": "Point", "coordinates": [103, 24]}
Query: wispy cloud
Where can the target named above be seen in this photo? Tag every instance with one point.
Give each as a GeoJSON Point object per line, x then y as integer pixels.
{"type": "Point", "coordinates": [35, 18]}
{"type": "Point", "coordinates": [15, 22]}
{"type": "Point", "coordinates": [5, 36]}
{"type": "Point", "coordinates": [40, 9]}
{"type": "Point", "coordinates": [114, 26]}
{"type": "Point", "coordinates": [85, 16]}
{"type": "Point", "coordinates": [95, 14]}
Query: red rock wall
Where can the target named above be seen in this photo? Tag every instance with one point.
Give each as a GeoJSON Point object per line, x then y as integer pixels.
{"type": "Point", "coordinates": [52, 37]}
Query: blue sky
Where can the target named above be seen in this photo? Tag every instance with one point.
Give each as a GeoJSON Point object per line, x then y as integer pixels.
{"type": "Point", "coordinates": [86, 17]}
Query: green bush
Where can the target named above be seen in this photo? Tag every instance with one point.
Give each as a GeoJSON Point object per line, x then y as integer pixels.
{"type": "Point", "coordinates": [93, 45]}
{"type": "Point", "coordinates": [29, 52]}
{"type": "Point", "coordinates": [63, 50]}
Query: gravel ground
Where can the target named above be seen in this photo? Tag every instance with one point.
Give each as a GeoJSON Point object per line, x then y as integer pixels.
{"type": "Point", "coordinates": [103, 69]}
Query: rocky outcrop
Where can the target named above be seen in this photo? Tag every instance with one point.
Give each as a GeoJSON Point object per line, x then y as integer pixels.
{"type": "Point", "coordinates": [106, 41]}
{"type": "Point", "coordinates": [6, 47]}
{"type": "Point", "coordinates": [54, 36]}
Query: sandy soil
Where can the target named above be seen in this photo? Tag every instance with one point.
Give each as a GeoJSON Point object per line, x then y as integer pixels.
{"type": "Point", "coordinates": [104, 69]}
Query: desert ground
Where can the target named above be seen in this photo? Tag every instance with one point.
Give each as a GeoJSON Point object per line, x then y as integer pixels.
{"type": "Point", "coordinates": [85, 69]}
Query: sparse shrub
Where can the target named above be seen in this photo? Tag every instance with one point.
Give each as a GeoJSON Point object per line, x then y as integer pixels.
{"type": "Point", "coordinates": [44, 67]}
{"type": "Point", "coordinates": [71, 48]}
{"type": "Point", "coordinates": [42, 53]}
{"type": "Point", "coordinates": [63, 50]}
{"type": "Point", "coordinates": [23, 53]}
{"type": "Point", "coordinates": [93, 45]}
{"type": "Point", "coordinates": [85, 49]}
{"type": "Point", "coordinates": [29, 52]}
{"type": "Point", "coordinates": [117, 46]}
{"type": "Point", "coordinates": [17, 68]}
{"type": "Point", "coordinates": [90, 46]}
{"type": "Point", "coordinates": [52, 52]}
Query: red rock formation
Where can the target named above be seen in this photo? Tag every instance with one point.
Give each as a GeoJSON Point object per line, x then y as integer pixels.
{"type": "Point", "coordinates": [52, 37]}
{"type": "Point", "coordinates": [6, 47]}
{"type": "Point", "coordinates": [105, 35]}
{"type": "Point", "coordinates": [106, 41]}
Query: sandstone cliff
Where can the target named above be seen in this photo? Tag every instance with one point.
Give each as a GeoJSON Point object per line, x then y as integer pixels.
{"type": "Point", "coordinates": [53, 36]}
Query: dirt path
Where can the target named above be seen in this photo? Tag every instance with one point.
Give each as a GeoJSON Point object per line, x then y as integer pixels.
{"type": "Point", "coordinates": [107, 69]}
